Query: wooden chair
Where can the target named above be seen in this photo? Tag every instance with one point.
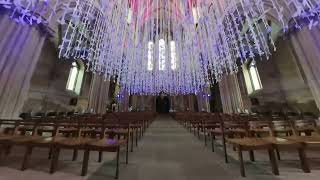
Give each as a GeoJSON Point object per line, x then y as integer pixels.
{"type": "Point", "coordinates": [243, 142]}
{"type": "Point", "coordinates": [7, 132]}
{"type": "Point", "coordinates": [227, 128]}
{"type": "Point", "coordinates": [21, 137]}
{"type": "Point", "coordinates": [137, 126]}
{"type": "Point", "coordinates": [203, 119]}
{"type": "Point", "coordinates": [306, 126]}
{"type": "Point", "coordinates": [75, 143]}
{"type": "Point", "coordinates": [310, 141]}
{"type": "Point", "coordinates": [54, 143]}
{"type": "Point", "coordinates": [208, 125]}
{"type": "Point", "coordinates": [40, 141]}
{"type": "Point", "coordinates": [259, 127]}
{"type": "Point", "coordinates": [75, 132]}
{"type": "Point", "coordinates": [122, 130]}
{"type": "Point", "coordinates": [7, 126]}
{"type": "Point", "coordinates": [251, 144]}
{"type": "Point", "coordinates": [134, 131]}
{"type": "Point", "coordinates": [103, 145]}
{"type": "Point", "coordinates": [58, 141]}
{"type": "Point", "coordinates": [281, 127]}
{"type": "Point", "coordinates": [280, 143]}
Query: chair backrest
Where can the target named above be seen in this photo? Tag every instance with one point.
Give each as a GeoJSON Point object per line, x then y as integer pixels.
{"type": "Point", "coordinates": [280, 124]}
{"type": "Point", "coordinates": [25, 126]}
{"type": "Point", "coordinates": [305, 125]}
{"type": "Point", "coordinates": [45, 125]}
{"type": "Point", "coordinates": [8, 126]}
{"type": "Point", "coordinates": [308, 116]}
{"type": "Point", "coordinates": [260, 125]}
{"type": "Point", "coordinates": [211, 121]}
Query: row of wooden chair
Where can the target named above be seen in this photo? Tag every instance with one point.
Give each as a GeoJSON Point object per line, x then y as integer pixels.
{"type": "Point", "coordinates": [103, 133]}
{"type": "Point", "coordinates": [247, 133]}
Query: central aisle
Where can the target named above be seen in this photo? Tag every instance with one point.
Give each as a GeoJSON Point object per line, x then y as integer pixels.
{"type": "Point", "coordinates": [170, 152]}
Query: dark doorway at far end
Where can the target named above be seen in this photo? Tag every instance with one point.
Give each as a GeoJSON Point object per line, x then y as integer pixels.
{"type": "Point", "coordinates": [162, 104]}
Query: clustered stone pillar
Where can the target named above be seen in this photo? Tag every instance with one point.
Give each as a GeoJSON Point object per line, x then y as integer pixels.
{"type": "Point", "coordinates": [203, 101]}
{"type": "Point", "coordinates": [307, 48]}
{"type": "Point", "coordinates": [99, 93]}
{"type": "Point", "coordinates": [230, 93]}
{"type": "Point", "coordinates": [134, 102]}
{"type": "Point", "coordinates": [124, 103]}
{"type": "Point", "coordinates": [191, 102]}
{"type": "Point", "coordinates": [20, 48]}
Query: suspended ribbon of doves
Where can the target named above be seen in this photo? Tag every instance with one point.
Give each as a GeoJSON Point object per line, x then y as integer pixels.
{"type": "Point", "coordinates": [170, 46]}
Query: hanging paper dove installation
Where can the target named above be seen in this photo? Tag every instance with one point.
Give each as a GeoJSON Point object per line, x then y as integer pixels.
{"type": "Point", "coordinates": [171, 46]}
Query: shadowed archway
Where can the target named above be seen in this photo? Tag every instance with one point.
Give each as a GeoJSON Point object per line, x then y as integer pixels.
{"type": "Point", "coordinates": [162, 104]}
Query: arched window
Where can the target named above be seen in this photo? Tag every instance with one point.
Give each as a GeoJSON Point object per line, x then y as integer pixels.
{"type": "Point", "coordinates": [173, 55]}
{"type": "Point", "coordinates": [150, 56]}
{"type": "Point", "coordinates": [252, 78]}
{"type": "Point", "coordinates": [162, 54]}
{"type": "Point", "coordinates": [75, 78]}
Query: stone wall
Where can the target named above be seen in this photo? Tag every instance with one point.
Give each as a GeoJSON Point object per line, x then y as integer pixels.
{"type": "Point", "coordinates": [284, 86]}
{"type": "Point", "coordinates": [177, 103]}
{"type": "Point", "coordinates": [48, 85]}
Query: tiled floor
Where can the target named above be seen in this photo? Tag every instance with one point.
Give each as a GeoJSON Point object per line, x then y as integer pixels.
{"type": "Point", "coordinates": [166, 152]}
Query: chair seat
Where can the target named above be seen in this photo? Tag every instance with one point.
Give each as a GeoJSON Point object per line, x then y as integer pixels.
{"type": "Point", "coordinates": [4, 137]}
{"type": "Point", "coordinates": [64, 141]}
{"type": "Point", "coordinates": [68, 130]}
{"type": "Point", "coordinates": [215, 131]}
{"type": "Point", "coordinates": [238, 131]}
{"type": "Point", "coordinates": [260, 130]}
{"type": "Point", "coordinates": [305, 139]}
{"type": "Point", "coordinates": [107, 143]}
{"type": "Point", "coordinates": [117, 131]}
{"type": "Point", "coordinates": [282, 141]}
{"type": "Point", "coordinates": [227, 131]}
{"type": "Point", "coordinates": [18, 139]}
{"type": "Point", "coordinates": [87, 130]}
{"type": "Point", "coordinates": [210, 126]}
{"type": "Point", "coordinates": [46, 130]}
{"type": "Point", "coordinates": [249, 142]}
{"type": "Point", "coordinates": [305, 129]}
{"type": "Point", "coordinates": [283, 130]}
{"type": "Point", "coordinates": [136, 126]}
{"type": "Point", "coordinates": [25, 139]}
{"type": "Point", "coordinates": [44, 141]}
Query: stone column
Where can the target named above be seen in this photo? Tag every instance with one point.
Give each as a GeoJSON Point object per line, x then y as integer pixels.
{"type": "Point", "coordinates": [230, 94]}
{"type": "Point", "coordinates": [134, 102]}
{"type": "Point", "coordinates": [200, 100]}
{"type": "Point", "coordinates": [99, 93]}
{"type": "Point", "coordinates": [124, 103]}
{"type": "Point", "coordinates": [203, 100]}
{"type": "Point", "coordinates": [191, 102]}
{"type": "Point", "coordinates": [20, 48]}
{"type": "Point", "coordinates": [305, 44]}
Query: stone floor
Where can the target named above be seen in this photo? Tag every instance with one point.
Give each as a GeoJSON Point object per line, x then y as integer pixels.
{"type": "Point", "coordinates": [166, 152]}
